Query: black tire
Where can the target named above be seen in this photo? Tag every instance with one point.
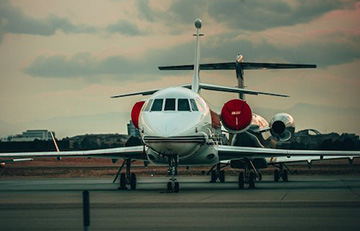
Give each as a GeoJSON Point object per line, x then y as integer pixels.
{"type": "Point", "coordinates": [122, 181]}
{"type": "Point", "coordinates": [241, 180]}
{"type": "Point", "coordinates": [276, 175]}
{"type": "Point", "coordinates": [213, 176]}
{"type": "Point", "coordinates": [285, 175]}
{"type": "Point", "coordinates": [133, 181]}
{"type": "Point", "coordinates": [169, 187]}
{"type": "Point", "coordinates": [222, 176]}
{"type": "Point", "coordinates": [176, 187]}
{"type": "Point", "coordinates": [252, 180]}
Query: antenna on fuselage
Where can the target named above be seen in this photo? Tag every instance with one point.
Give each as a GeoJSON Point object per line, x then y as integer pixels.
{"type": "Point", "coordinates": [196, 77]}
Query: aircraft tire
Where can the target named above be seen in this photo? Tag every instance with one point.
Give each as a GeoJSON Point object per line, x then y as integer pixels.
{"type": "Point", "coordinates": [122, 181]}
{"type": "Point", "coordinates": [169, 187]}
{"type": "Point", "coordinates": [252, 180]}
{"type": "Point", "coordinates": [222, 176]}
{"type": "Point", "coordinates": [213, 176]}
{"type": "Point", "coordinates": [241, 180]}
{"type": "Point", "coordinates": [133, 181]}
{"type": "Point", "coordinates": [176, 187]}
{"type": "Point", "coordinates": [285, 176]}
{"type": "Point", "coordinates": [276, 175]}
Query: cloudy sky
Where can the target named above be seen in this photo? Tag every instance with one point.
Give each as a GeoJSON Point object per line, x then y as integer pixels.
{"type": "Point", "coordinates": [60, 61]}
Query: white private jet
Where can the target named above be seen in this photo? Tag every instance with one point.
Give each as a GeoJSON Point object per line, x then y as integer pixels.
{"type": "Point", "coordinates": [178, 127]}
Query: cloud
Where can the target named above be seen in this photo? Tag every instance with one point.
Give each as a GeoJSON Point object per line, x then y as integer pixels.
{"type": "Point", "coordinates": [178, 12]}
{"type": "Point", "coordinates": [219, 48]}
{"type": "Point", "coordinates": [327, 49]}
{"type": "Point", "coordinates": [145, 11]}
{"type": "Point", "coordinates": [256, 15]}
{"type": "Point", "coordinates": [13, 20]}
{"type": "Point", "coordinates": [252, 15]}
{"type": "Point", "coordinates": [83, 64]}
{"type": "Point", "coordinates": [125, 27]}
{"type": "Point", "coordinates": [90, 66]}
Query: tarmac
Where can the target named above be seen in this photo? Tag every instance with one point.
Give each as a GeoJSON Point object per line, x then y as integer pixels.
{"type": "Point", "coordinates": [313, 202]}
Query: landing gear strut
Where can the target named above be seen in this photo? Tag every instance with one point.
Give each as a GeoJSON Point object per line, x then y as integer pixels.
{"type": "Point", "coordinates": [173, 184]}
{"type": "Point", "coordinates": [249, 176]}
{"type": "Point", "coordinates": [127, 178]}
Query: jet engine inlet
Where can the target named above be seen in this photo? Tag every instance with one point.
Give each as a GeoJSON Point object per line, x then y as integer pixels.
{"type": "Point", "coordinates": [236, 115]}
{"type": "Point", "coordinates": [282, 127]}
{"type": "Point", "coordinates": [135, 112]}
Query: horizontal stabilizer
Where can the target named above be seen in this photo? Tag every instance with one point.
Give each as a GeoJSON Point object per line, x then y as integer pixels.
{"type": "Point", "coordinates": [243, 65]}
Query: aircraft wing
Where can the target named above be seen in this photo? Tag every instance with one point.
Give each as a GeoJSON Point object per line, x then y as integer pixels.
{"type": "Point", "coordinates": [134, 152]}
{"type": "Point", "coordinates": [236, 90]}
{"type": "Point", "coordinates": [309, 159]}
{"type": "Point", "coordinates": [236, 152]}
{"type": "Point", "coordinates": [148, 92]}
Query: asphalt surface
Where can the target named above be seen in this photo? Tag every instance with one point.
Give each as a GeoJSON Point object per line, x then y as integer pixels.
{"type": "Point", "coordinates": [306, 202]}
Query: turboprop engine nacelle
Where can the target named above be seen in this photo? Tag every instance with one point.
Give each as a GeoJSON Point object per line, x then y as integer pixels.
{"type": "Point", "coordinates": [236, 116]}
{"type": "Point", "coordinates": [282, 127]}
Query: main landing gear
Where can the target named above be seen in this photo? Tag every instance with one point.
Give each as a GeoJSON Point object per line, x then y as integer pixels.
{"type": "Point", "coordinates": [126, 178]}
{"type": "Point", "coordinates": [248, 176]}
{"type": "Point", "coordinates": [281, 173]}
{"type": "Point", "coordinates": [173, 184]}
{"type": "Point", "coordinates": [217, 174]}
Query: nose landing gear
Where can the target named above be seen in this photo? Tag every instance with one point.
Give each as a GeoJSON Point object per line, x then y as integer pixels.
{"type": "Point", "coordinates": [173, 184]}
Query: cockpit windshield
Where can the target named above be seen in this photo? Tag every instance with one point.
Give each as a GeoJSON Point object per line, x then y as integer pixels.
{"type": "Point", "coordinates": [170, 105]}
{"type": "Point", "coordinates": [173, 104]}
{"type": "Point", "coordinates": [183, 105]}
{"type": "Point", "coordinates": [157, 105]}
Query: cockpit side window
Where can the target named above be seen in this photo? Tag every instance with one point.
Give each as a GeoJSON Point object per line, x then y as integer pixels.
{"type": "Point", "coordinates": [183, 105]}
{"type": "Point", "coordinates": [157, 105]}
{"type": "Point", "coordinates": [200, 105]}
{"type": "Point", "coordinates": [169, 105]}
{"type": "Point", "coordinates": [147, 108]}
{"type": "Point", "coordinates": [193, 105]}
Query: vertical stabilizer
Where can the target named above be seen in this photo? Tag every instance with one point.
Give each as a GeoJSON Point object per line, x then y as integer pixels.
{"type": "Point", "coordinates": [196, 78]}
{"type": "Point", "coordinates": [240, 74]}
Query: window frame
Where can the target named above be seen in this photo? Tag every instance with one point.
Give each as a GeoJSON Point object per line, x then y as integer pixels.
{"type": "Point", "coordinates": [162, 105]}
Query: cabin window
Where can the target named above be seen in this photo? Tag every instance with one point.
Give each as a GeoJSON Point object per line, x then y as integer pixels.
{"type": "Point", "coordinates": [183, 105]}
{"type": "Point", "coordinates": [157, 105]}
{"type": "Point", "coordinates": [147, 108]}
{"type": "Point", "coordinates": [193, 105]}
{"type": "Point", "coordinates": [170, 105]}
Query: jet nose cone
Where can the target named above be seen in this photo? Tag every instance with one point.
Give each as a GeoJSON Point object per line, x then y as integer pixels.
{"type": "Point", "coordinates": [171, 124]}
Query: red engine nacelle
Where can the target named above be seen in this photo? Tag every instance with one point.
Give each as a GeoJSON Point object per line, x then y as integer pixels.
{"type": "Point", "coordinates": [135, 112]}
{"type": "Point", "coordinates": [236, 115]}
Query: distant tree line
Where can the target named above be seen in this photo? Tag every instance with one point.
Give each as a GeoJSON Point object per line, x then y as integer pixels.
{"type": "Point", "coordinates": [326, 144]}
{"type": "Point", "coordinates": [88, 142]}
{"type": "Point", "coordinates": [85, 142]}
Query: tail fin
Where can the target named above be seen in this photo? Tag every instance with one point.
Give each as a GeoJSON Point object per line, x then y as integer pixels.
{"type": "Point", "coordinates": [240, 74]}
{"type": "Point", "coordinates": [196, 77]}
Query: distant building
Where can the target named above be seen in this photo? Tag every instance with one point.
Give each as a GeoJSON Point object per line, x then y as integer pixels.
{"type": "Point", "coordinates": [30, 135]}
{"type": "Point", "coordinates": [132, 130]}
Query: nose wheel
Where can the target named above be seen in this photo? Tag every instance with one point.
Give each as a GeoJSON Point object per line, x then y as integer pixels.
{"type": "Point", "coordinates": [173, 184]}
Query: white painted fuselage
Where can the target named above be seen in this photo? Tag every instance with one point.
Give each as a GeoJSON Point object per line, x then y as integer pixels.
{"type": "Point", "coordinates": [177, 121]}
